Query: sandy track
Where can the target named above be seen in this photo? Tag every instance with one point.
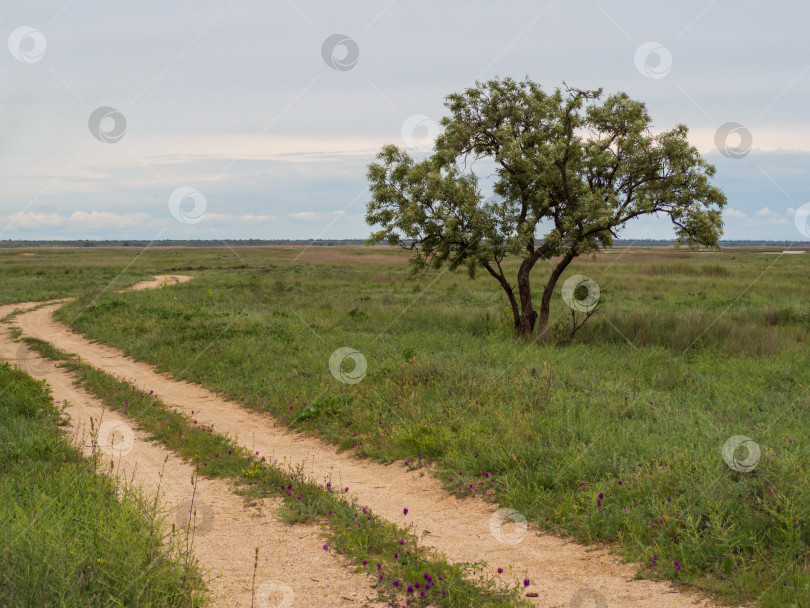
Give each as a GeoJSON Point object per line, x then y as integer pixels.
{"type": "Point", "coordinates": [160, 280]}
{"type": "Point", "coordinates": [460, 528]}
{"type": "Point", "coordinates": [228, 531]}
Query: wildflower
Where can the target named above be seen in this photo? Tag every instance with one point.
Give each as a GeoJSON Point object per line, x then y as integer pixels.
{"type": "Point", "coordinates": [326, 547]}
{"type": "Point", "coordinates": [526, 582]}
{"type": "Point", "coordinates": [396, 583]}
{"type": "Point", "coordinates": [601, 495]}
{"type": "Point", "coordinates": [678, 566]}
{"type": "Point", "coordinates": [404, 511]}
{"type": "Point", "coordinates": [500, 570]}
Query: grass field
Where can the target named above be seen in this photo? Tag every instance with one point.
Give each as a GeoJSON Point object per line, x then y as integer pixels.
{"type": "Point", "coordinates": [615, 438]}
{"type": "Point", "coordinates": [373, 542]}
{"type": "Point", "coordinates": [71, 536]}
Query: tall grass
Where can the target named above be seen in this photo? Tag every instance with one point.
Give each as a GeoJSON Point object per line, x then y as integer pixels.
{"type": "Point", "coordinates": [72, 537]}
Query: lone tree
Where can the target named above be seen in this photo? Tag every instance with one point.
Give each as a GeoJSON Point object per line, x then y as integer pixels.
{"type": "Point", "coordinates": [578, 167]}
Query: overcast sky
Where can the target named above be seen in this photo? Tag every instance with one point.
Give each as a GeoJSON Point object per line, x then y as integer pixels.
{"type": "Point", "coordinates": [247, 119]}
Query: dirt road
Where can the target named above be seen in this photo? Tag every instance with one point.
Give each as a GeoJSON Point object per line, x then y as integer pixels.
{"type": "Point", "coordinates": [466, 530]}
{"type": "Point", "coordinates": [293, 569]}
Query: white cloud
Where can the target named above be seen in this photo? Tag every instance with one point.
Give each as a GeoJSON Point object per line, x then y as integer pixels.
{"type": "Point", "coordinates": [222, 218]}
{"type": "Point", "coordinates": [729, 212]}
{"type": "Point", "coordinates": [769, 217]}
{"type": "Point", "coordinates": [93, 221]}
{"type": "Point", "coordinates": [315, 216]}
{"type": "Point", "coordinates": [104, 221]}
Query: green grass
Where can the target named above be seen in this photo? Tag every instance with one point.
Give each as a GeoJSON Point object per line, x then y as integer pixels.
{"type": "Point", "coordinates": [687, 351]}
{"type": "Point", "coordinates": [381, 549]}
{"type": "Point", "coordinates": [71, 536]}
{"type": "Point", "coordinates": [44, 274]}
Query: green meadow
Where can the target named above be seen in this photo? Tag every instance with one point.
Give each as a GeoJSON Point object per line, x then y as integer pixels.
{"type": "Point", "coordinates": [614, 437]}
{"type": "Point", "coordinates": [71, 536]}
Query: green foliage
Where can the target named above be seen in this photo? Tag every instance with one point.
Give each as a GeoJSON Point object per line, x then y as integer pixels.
{"type": "Point", "coordinates": [581, 166]}
{"type": "Point", "coordinates": [329, 407]}
{"type": "Point", "coordinates": [67, 538]}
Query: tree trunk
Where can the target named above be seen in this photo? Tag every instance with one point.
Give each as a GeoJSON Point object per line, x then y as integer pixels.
{"type": "Point", "coordinates": [513, 303]}
{"type": "Point", "coordinates": [545, 303]}
{"type": "Point", "coordinates": [528, 316]}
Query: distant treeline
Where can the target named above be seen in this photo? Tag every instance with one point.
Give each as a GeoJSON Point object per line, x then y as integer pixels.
{"type": "Point", "coordinates": [334, 243]}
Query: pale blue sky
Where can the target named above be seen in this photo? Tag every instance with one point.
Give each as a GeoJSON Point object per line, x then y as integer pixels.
{"type": "Point", "coordinates": [234, 99]}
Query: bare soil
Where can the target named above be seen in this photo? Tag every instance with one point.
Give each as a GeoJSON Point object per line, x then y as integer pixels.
{"type": "Point", "coordinates": [161, 280]}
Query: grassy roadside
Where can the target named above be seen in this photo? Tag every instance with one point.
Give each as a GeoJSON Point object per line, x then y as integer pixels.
{"type": "Point", "coordinates": [388, 553]}
{"type": "Point", "coordinates": [72, 537]}
{"type": "Point", "coordinates": [717, 348]}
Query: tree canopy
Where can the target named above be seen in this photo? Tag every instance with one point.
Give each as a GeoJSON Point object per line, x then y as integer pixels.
{"type": "Point", "coordinates": [568, 163]}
